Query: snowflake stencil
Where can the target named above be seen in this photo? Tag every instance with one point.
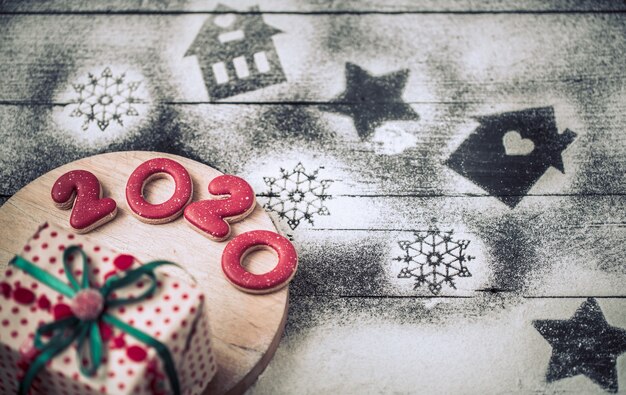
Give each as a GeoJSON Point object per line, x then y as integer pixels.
{"type": "Point", "coordinates": [297, 195]}
{"type": "Point", "coordinates": [434, 258]}
{"type": "Point", "coordinates": [105, 98]}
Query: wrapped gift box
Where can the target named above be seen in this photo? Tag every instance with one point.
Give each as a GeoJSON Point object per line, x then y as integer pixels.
{"type": "Point", "coordinates": [174, 315]}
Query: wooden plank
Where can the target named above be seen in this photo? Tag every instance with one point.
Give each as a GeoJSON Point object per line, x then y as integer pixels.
{"type": "Point", "coordinates": [239, 139]}
{"type": "Point", "coordinates": [340, 345]}
{"type": "Point", "coordinates": [353, 323]}
{"type": "Point", "coordinates": [542, 226]}
{"type": "Point", "coordinates": [64, 6]}
{"type": "Point", "coordinates": [587, 98]}
{"type": "Point", "coordinates": [469, 60]}
{"type": "Point", "coordinates": [541, 249]}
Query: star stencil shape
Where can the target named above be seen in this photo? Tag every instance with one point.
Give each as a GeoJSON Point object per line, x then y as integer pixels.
{"type": "Point", "coordinates": [372, 100]}
{"type": "Point", "coordinates": [585, 344]}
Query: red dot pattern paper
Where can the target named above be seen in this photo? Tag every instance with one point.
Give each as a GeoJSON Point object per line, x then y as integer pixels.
{"type": "Point", "coordinates": [175, 315]}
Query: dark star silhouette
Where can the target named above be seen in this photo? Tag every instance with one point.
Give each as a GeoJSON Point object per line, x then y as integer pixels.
{"type": "Point", "coordinates": [372, 100]}
{"type": "Point", "coordinates": [585, 344]}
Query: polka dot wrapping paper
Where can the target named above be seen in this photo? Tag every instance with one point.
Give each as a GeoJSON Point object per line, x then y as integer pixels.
{"type": "Point", "coordinates": [174, 315]}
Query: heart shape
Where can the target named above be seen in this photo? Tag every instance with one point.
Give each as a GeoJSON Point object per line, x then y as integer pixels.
{"type": "Point", "coordinates": [515, 145]}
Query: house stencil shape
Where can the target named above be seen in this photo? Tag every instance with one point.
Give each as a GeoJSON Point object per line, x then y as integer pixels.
{"type": "Point", "coordinates": [236, 53]}
{"type": "Point", "coordinates": [483, 157]}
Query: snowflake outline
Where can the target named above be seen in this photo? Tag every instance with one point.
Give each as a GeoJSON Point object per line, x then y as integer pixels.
{"type": "Point", "coordinates": [297, 195]}
{"type": "Point", "coordinates": [434, 258]}
{"type": "Point", "coordinates": [105, 98]}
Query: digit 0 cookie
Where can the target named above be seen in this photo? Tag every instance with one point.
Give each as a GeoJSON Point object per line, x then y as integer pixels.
{"type": "Point", "coordinates": [237, 249]}
{"type": "Point", "coordinates": [82, 189]}
{"type": "Point", "coordinates": [168, 210]}
{"type": "Point", "coordinates": [212, 217]}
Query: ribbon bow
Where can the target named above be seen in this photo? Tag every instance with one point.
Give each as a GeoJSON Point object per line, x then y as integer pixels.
{"type": "Point", "coordinates": [91, 307]}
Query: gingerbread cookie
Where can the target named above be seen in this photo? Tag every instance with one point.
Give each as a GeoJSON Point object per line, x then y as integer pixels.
{"type": "Point", "coordinates": [81, 189]}
{"type": "Point", "coordinates": [237, 249]}
{"type": "Point", "coordinates": [212, 217]}
{"type": "Point", "coordinates": [168, 210]}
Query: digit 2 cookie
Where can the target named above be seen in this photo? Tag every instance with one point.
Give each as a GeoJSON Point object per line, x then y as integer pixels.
{"type": "Point", "coordinates": [82, 189]}
{"type": "Point", "coordinates": [211, 217]}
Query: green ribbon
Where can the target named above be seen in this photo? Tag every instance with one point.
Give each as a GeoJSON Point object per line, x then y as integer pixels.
{"type": "Point", "coordinates": [86, 333]}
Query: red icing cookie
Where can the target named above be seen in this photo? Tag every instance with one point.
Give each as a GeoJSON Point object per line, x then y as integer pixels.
{"type": "Point", "coordinates": [168, 210]}
{"type": "Point", "coordinates": [240, 246]}
{"type": "Point", "coordinates": [82, 189]}
{"type": "Point", "coordinates": [212, 217]}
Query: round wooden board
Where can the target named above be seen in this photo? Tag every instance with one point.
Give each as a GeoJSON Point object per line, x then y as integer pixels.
{"type": "Point", "coordinates": [246, 328]}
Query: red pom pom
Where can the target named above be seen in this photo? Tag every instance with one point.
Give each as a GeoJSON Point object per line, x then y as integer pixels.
{"type": "Point", "coordinates": [87, 304]}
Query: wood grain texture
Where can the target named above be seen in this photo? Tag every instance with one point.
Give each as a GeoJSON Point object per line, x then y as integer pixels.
{"type": "Point", "coordinates": [594, 163]}
{"type": "Point", "coordinates": [451, 348]}
{"type": "Point", "coordinates": [246, 327]}
{"type": "Point", "coordinates": [528, 57]}
{"type": "Point", "coordinates": [354, 326]}
{"type": "Point", "coordinates": [463, 67]}
{"type": "Point", "coordinates": [519, 256]}
{"type": "Point", "coordinates": [65, 6]}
